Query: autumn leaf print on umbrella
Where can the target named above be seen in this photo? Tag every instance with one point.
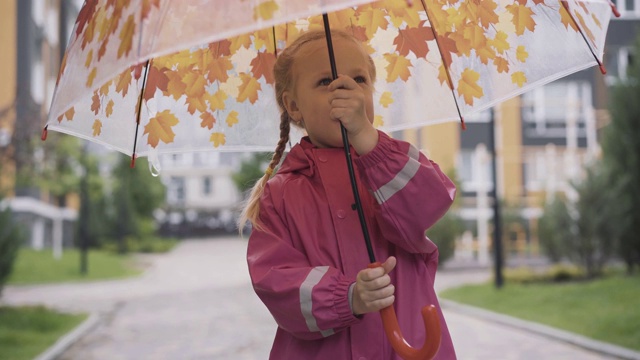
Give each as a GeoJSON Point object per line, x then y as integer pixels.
{"type": "Point", "coordinates": [147, 77]}
{"type": "Point", "coordinates": [154, 76]}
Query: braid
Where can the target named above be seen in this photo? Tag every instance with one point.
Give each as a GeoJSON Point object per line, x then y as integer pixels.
{"type": "Point", "coordinates": [251, 210]}
{"type": "Point", "coordinates": [284, 139]}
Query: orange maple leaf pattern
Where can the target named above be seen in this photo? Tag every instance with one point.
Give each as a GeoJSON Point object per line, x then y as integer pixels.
{"type": "Point", "coordinates": [463, 45]}
{"type": "Point", "coordinates": [249, 88]}
{"type": "Point", "coordinates": [97, 128]}
{"type": "Point", "coordinates": [208, 120]}
{"type": "Point", "coordinates": [232, 118]}
{"type": "Point", "coordinates": [217, 139]}
{"type": "Point", "coordinates": [265, 10]}
{"type": "Point", "coordinates": [160, 127]}
{"type": "Point", "coordinates": [468, 86]}
{"type": "Point", "coordinates": [386, 99]}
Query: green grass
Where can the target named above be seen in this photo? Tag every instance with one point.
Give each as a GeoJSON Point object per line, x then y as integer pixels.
{"type": "Point", "coordinates": [605, 309]}
{"type": "Point", "coordinates": [39, 267]}
{"type": "Point", "coordinates": [26, 332]}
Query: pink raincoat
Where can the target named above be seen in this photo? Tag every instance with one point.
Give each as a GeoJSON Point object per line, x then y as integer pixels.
{"type": "Point", "coordinates": [304, 262]}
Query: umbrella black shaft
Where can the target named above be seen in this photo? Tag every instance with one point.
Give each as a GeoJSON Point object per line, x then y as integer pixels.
{"type": "Point", "coordinates": [347, 152]}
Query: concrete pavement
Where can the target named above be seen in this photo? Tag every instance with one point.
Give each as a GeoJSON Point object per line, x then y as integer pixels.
{"type": "Point", "coordinates": [197, 303]}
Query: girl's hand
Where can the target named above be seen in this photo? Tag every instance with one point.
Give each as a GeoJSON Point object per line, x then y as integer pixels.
{"type": "Point", "coordinates": [352, 105]}
{"type": "Point", "coordinates": [373, 290]}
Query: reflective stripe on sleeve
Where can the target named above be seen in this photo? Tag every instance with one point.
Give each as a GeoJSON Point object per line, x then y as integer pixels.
{"type": "Point", "coordinates": [306, 301]}
{"type": "Point", "coordinates": [401, 179]}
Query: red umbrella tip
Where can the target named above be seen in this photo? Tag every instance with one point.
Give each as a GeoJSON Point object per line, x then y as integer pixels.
{"type": "Point", "coordinates": [133, 161]}
{"type": "Point", "coordinates": [603, 70]}
{"type": "Point", "coordinates": [409, 3]}
{"type": "Point", "coordinates": [614, 9]}
{"type": "Point", "coordinates": [44, 134]}
{"type": "Point", "coordinates": [462, 124]}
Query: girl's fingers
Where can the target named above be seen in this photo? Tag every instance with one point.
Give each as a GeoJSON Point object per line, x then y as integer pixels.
{"type": "Point", "coordinates": [377, 283]}
{"type": "Point", "coordinates": [372, 296]}
{"type": "Point", "coordinates": [372, 274]}
{"type": "Point", "coordinates": [343, 82]}
{"type": "Point", "coordinates": [390, 264]}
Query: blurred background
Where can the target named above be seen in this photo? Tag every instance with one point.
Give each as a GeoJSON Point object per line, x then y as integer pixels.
{"type": "Point", "coordinates": [546, 179]}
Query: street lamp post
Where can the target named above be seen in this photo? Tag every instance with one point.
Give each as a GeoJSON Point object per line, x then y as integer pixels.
{"type": "Point", "coordinates": [497, 224]}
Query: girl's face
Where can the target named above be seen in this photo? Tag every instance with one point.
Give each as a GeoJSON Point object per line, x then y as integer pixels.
{"type": "Point", "coordinates": [308, 100]}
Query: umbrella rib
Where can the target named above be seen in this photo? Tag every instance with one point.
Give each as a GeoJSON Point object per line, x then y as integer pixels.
{"type": "Point", "coordinates": [565, 5]}
{"type": "Point", "coordinates": [444, 64]}
{"type": "Point", "coordinates": [140, 99]}
{"type": "Point", "coordinates": [275, 43]}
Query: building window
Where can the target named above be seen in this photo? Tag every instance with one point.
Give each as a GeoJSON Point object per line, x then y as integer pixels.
{"type": "Point", "coordinates": [550, 169]}
{"type": "Point", "coordinates": [618, 62]}
{"type": "Point", "coordinates": [535, 170]}
{"type": "Point", "coordinates": [206, 185]}
{"type": "Point", "coordinates": [625, 60]}
{"type": "Point", "coordinates": [547, 110]}
{"type": "Point", "coordinates": [471, 171]}
{"type": "Point", "coordinates": [176, 190]}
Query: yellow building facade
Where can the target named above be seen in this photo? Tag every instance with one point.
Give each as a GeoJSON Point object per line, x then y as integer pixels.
{"type": "Point", "coordinates": [8, 58]}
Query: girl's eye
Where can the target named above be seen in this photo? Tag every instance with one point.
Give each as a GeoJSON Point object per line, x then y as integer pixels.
{"type": "Point", "coordinates": [324, 82]}
{"type": "Point", "coordinates": [360, 79]}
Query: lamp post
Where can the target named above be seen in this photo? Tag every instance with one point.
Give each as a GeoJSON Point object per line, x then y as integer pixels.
{"type": "Point", "coordinates": [84, 218]}
{"type": "Point", "coordinates": [497, 224]}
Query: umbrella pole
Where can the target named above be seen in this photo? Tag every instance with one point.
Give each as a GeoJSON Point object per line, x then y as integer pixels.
{"type": "Point", "coordinates": [388, 314]}
{"type": "Point", "coordinates": [347, 152]}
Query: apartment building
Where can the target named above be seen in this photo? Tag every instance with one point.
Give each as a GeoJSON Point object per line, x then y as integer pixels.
{"type": "Point", "coordinates": [33, 36]}
{"type": "Point", "coordinates": [543, 140]}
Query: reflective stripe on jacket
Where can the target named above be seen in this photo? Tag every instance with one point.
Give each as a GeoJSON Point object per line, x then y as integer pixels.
{"type": "Point", "coordinates": [312, 248]}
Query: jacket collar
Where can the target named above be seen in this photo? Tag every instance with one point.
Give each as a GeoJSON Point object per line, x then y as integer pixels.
{"type": "Point", "coordinates": [301, 158]}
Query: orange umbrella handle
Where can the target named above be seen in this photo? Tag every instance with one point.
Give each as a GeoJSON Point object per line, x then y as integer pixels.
{"type": "Point", "coordinates": [400, 345]}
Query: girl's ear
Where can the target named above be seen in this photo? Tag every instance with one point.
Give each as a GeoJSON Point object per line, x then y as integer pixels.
{"type": "Point", "coordinates": [291, 106]}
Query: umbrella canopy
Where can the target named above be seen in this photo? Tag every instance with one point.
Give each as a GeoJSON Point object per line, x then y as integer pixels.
{"type": "Point", "coordinates": [154, 76]}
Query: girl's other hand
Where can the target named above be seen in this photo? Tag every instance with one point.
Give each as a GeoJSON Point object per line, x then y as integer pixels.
{"type": "Point", "coordinates": [373, 290]}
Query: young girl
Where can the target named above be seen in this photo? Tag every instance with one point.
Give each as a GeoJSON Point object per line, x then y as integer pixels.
{"type": "Point", "coordinates": [306, 254]}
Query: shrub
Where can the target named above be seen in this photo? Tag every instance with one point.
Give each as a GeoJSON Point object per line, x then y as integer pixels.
{"type": "Point", "coordinates": [553, 229]}
{"type": "Point", "coordinates": [11, 238]}
{"type": "Point", "coordinates": [148, 244]}
{"type": "Point", "coordinates": [553, 274]}
{"type": "Point", "coordinates": [444, 233]}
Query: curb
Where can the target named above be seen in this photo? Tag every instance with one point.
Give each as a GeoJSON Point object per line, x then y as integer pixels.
{"type": "Point", "coordinates": [544, 330]}
{"type": "Point", "coordinates": [70, 338]}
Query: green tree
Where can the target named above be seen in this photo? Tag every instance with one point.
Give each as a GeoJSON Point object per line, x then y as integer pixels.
{"type": "Point", "coordinates": [512, 221]}
{"type": "Point", "coordinates": [584, 231]}
{"type": "Point", "coordinates": [11, 238]}
{"type": "Point", "coordinates": [621, 150]}
{"type": "Point", "coordinates": [98, 205]}
{"type": "Point", "coordinates": [446, 230]}
{"type": "Point", "coordinates": [90, 226]}
{"type": "Point", "coordinates": [137, 193]}
{"type": "Point", "coordinates": [593, 244]}
{"type": "Point", "coordinates": [61, 168]}
{"type": "Point", "coordinates": [147, 191]}
{"type": "Point", "coordinates": [250, 171]}
{"type": "Point", "coordinates": [553, 229]}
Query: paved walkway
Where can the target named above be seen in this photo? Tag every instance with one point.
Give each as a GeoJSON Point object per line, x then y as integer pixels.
{"type": "Point", "coordinates": [197, 303]}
